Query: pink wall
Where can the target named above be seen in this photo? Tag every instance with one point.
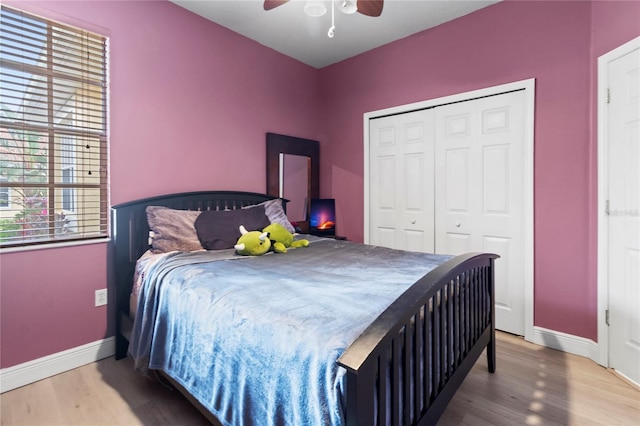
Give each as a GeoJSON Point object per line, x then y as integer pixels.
{"type": "Point", "coordinates": [186, 96]}
{"type": "Point", "coordinates": [510, 41]}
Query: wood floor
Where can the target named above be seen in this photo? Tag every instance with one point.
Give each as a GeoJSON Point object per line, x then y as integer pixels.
{"type": "Point", "coordinates": [532, 386]}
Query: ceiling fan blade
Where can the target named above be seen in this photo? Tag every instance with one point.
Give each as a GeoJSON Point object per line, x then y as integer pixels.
{"type": "Point", "coordinates": [271, 4]}
{"type": "Point", "coordinates": [370, 7]}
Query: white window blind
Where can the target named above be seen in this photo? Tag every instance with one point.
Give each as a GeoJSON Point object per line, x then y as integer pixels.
{"type": "Point", "coordinates": [53, 131]}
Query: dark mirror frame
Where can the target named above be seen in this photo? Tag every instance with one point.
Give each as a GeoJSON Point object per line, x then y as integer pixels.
{"type": "Point", "coordinates": [282, 144]}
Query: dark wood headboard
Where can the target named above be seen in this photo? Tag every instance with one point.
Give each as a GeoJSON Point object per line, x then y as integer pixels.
{"type": "Point", "coordinates": [130, 230]}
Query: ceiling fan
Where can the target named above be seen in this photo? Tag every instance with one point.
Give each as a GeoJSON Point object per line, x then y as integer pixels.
{"type": "Point", "coordinates": [365, 7]}
{"type": "Point", "coordinates": [317, 8]}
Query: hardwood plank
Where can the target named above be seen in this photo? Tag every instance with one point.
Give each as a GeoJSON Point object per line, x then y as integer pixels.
{"type": "Point", "coordinates": [532, 386]}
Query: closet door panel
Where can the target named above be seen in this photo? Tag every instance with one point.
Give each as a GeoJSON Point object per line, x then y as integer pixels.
{"type": "Point", "coordinates": [479, 186]}
{"type": "Point", "coordinates": [401, 183]}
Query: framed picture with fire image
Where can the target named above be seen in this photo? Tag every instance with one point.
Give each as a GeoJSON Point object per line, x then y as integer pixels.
{"type": "Point", "coordinates": [322, 217]}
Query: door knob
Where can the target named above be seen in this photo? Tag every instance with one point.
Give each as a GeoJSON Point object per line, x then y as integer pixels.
{"type": "Point", "coordinates": [458, 224]}
{"type": "Point", "coordinates": [413, 221]}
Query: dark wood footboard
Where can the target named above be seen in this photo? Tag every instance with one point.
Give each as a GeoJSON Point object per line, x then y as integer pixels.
{"type": "Point", "coordinates": [406, 367]}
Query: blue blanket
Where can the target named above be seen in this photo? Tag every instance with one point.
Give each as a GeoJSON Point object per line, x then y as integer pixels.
{"type": "Point", "coordinates": [256, 339]}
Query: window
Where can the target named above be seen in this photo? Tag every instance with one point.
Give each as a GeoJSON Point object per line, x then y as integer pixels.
{"type": "Point", "coordinates": [4, 195]}
{"type": "Point", "coordinates": [68, 172]}
{"type": "Point", "coordinates": [53, 131]}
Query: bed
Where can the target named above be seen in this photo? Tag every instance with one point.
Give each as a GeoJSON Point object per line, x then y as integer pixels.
{"type": "Point", "coordinates": [401, 366]}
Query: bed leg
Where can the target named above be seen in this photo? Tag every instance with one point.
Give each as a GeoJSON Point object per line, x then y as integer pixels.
{"type": "Point", "coordinates": [124, 325]}
{"type": "Point", "coordinates": [122, 345]}
{"type": "Point", "coordinates": [491, 354]}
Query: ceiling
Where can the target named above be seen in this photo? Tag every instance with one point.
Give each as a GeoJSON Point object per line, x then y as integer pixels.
{"type": "Point", "coordinates": [290, 31]}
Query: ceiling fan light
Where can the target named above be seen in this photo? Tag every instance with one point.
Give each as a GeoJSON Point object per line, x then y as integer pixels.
{"type": "Point", "coordinates": [315, 8]}
{"type": "Point", "coordinates": [348, 6]}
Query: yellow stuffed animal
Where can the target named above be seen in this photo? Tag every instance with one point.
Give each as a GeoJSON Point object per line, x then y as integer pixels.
{"type": "Point", "coordinates": [281, 239]}
{"type": "Point", "coordinates": [254, 243]}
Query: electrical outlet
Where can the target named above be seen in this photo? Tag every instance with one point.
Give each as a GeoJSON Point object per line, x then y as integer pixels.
{"type": "Point", "coordinates": [101, 297]}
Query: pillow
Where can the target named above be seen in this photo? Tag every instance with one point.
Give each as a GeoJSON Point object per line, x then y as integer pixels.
{"type": "Point", "coordinates": [173, 229]}
{"type": "Point", "coordinates": [274, 211]}
{"type": "Point", "coordinates": [220, 229]}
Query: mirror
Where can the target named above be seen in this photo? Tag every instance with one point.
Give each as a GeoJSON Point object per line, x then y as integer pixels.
{"type": "Point", "coordinates": [293, 179]}
{"type": "Point", "coordinates": [293, 166]}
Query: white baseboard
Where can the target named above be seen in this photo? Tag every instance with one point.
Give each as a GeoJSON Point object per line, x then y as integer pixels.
{"type": "Point", "coordinates": [50, 365]}
{"type": "Point", "coordinates": [32, 371]}
{"type": "Point", "coordinates": [566, 342]}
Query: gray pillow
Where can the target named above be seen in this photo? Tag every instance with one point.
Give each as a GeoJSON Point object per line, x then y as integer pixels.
{"type": "Point", "coordinates": [173, 230]}
{"type": "Point", "coordinates": [274, 211]}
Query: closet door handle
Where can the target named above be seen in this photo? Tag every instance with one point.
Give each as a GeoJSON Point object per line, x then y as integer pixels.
{"type": "Point", "coordinates": [458, 224]}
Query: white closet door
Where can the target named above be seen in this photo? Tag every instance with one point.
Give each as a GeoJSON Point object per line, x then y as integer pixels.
{"type": "Point", "coordinates": [402, 181]}
{"type": "Point", "coordinates": [479, 187]}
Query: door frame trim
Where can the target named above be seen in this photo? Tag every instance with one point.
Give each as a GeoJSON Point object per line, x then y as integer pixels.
{"type": "Point", "coordinates": [529, 89]}
{"type": "Point", "coordinates": [603, 195]}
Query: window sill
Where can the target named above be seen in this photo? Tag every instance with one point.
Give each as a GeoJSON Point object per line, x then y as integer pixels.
{"type": "Point", "coordinates": [4, 250]}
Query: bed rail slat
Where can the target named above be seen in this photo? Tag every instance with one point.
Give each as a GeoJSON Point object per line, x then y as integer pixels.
{"type": "Point", "coordinates": [457, 349]}
{"type": "Point", "coordinates": [465, 312]}
{"type": "Point", "coordinates": [442, 332]}
{"type": "Point", "coordinates": [450, 323]}
{"type": "Point", "coordinates": [437, 344]}
{"type": "Point", "coordinates": [396, 396]}
{"type": "Point", "coordinates": [383, 387]}
{"type": "Point", "coordinates": [428, 358]}
{"type": "Point", "coordinates": [418, 367]}
{"type": "Point", "coordinates": [407, 364]}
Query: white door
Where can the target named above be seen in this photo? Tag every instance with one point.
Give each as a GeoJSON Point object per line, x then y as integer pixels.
{"type": "Point", "coordinates": [623, 164]}
{"type": "Point", "coordinates": [401, 181]}
{"type": "Point", "coordinates": [479, 187]}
